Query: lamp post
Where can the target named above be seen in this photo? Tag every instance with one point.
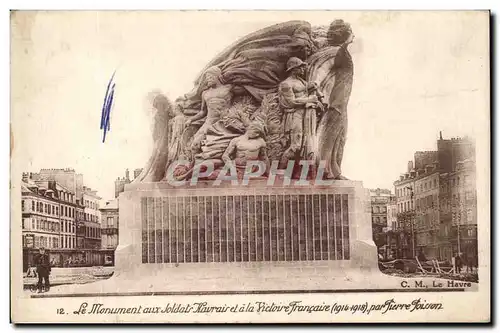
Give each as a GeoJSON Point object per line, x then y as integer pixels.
{"type": "Point", "coordinates": [411, 220]}
{"type": "Point", "coordinates": [460, 209]}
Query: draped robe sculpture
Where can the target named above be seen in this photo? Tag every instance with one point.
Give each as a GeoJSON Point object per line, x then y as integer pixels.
{"type": "Point", "coordinates": [252, 70]}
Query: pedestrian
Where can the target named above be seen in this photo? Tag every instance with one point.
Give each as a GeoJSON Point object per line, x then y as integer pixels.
{"type": "Point", "coordinates": [468, 264]}
{"type": "Point", "coordinates": [458, 263]}
{"type": "Point", "coordinates": [43, 269]}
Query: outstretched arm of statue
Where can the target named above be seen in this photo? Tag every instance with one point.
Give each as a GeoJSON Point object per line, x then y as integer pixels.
{"type": "Point", "coordinates": [288, 98]}
{"type": "Point", "coordinates": [238, 90]}
{"type": "Point", "coordinates": [226, 157]}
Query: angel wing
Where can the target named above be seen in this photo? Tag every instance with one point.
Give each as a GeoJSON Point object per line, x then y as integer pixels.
{"type": "Point", "coordinates": [257, 62]}
{"type": "Point", "coordinates": [257, 39]}
{"type": "Point", "coordinates": [162, 137]}
{"type": "Point", "coordinates": [331, 69]}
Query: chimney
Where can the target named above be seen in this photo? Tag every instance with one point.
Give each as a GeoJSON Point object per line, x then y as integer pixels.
{"type": "Point", "coordinates": [410, 166]}
{"type": "Point", "coordinates": [440, 135]}
{"type": "Point", "coordinates": [25, 177]}
{"type": "Point", "coordinates": [127, 175]}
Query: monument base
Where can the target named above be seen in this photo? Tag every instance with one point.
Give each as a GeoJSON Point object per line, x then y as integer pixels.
{"type": "Point", "coordinates": [245, 238]}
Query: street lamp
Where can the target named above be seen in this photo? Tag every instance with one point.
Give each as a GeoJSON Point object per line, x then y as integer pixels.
{"type": "Point", "coordinates": [460, 209]}
{"type": "Point", "coordinates": [411, 220]}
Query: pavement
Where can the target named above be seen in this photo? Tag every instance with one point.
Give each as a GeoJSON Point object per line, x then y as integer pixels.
{"type": "Point", "coordinates": [180, 280]}
{"type": "Point", "coordinates": [71, 276]}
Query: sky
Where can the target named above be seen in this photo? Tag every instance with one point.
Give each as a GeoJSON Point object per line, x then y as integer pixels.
{"type": "Point", "coordinates": [415, 74]}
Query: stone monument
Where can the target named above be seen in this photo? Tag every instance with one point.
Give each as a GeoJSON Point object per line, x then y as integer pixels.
{"type": "Point", "coordinates": [244, 185]}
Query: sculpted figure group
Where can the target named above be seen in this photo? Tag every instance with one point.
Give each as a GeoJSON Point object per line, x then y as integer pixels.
{"type": "Point", "coordinates": [279, 94]}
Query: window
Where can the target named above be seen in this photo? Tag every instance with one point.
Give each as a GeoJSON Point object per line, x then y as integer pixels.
{"type": "Point", "coordinates": [435, 183]}
{"type": "Point", "coordinates": [458, 181]}
{"type": "Point", "coordinates": [33, 205]}
{"type": "Point", "coordinates": [32, 224]}
{"type": "Point", "coordinates": [22, 205]}
{"type": "Point", "coordinates": [469, 215]}
{"type": "Point", "coordinates": [111, 221]}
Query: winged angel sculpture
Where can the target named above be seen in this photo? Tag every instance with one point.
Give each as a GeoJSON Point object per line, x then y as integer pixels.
{"type": "Point", "coordinates": [278, 94]}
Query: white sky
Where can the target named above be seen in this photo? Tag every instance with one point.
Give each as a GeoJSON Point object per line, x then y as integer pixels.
{"type": "Point", "coordinates": [415, 74]}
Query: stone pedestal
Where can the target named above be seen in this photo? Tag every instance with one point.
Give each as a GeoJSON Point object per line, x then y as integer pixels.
{"type": "Point", "coordinates": [248, 236]}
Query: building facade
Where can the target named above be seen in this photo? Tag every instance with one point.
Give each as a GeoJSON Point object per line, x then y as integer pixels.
{"type": "Point", "coordinates": [379, 200]}
{"type": "Point", "coordinates": [392, 213]}
{"type": "Point", "coordinates": [120, 182]}
{"type": "Point", "coordinates": [464, 210]}
{"type": "Point", "coordinates": [92, 219]}
{"type": "Point", "coordinates": [41, 225]}
{"type": "Point", "coordinates": [55, 217]}
{"type": "Point", "coordinates": [80, 224]}
{"type": "Point", "coordinates": [437, 213]}
{"type": "Point", "coordinates": [110, 225]}
{"type": "Point", "coordinates": [427, 223]}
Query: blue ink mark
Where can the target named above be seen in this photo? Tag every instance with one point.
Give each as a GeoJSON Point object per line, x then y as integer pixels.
{"type": "Point", "coordinates": [106, 107]}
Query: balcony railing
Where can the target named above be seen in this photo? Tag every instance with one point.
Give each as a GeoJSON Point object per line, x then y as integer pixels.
{"type": "Point", "coordinates": [109, 231]}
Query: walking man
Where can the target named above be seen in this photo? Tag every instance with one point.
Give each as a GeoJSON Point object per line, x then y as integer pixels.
{"type": "Point", "coordinates": [42, 263]}
{"type": "Point", "coordinates": [458, 263]}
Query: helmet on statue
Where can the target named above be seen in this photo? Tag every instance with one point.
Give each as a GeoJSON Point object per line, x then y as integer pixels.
{"type": "Point", "coordinates": [294, 62]}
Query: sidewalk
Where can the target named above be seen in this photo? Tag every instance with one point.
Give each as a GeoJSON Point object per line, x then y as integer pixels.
{"type": "Point", "coordinates": [72, 275]}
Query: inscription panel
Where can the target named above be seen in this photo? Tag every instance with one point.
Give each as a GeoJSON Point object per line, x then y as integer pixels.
{"type": "Point", "coordinates": [269, 227]}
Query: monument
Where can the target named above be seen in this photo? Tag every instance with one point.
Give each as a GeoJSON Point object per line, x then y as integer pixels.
{"type": "Point", "coordinates": [244, 185]}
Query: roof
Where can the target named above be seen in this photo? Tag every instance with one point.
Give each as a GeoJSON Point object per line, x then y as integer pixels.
{"type": "Point", "coordinates": [25, 187]}
{"type": "Point", "coordinates": [113, 204]}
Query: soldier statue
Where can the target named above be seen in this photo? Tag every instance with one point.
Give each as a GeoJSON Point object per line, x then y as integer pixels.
{"type": "Point", "coordinates": [296, 101]}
